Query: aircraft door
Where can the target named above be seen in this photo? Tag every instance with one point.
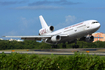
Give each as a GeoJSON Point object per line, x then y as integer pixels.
{"type": "Point", "coordinates": [87, 26]}
{"type": "Point", "coordinates": [75, 29]}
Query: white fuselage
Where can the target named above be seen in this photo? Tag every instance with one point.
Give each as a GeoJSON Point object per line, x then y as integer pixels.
{"type": "Point", "coordinates": [75, 31]}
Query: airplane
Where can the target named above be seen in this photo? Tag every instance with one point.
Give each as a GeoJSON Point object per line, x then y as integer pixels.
{"type": "Point", "coordinates": [82, 31]}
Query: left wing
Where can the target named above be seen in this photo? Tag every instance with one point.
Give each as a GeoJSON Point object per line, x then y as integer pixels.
{"type": "Point", "coordinates": [39, 38]}
{"type": "Point", "coordinates": [30, 37]}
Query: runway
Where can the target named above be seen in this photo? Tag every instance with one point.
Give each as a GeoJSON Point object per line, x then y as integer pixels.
{"type": "Point", "coordinates": [91, 51]}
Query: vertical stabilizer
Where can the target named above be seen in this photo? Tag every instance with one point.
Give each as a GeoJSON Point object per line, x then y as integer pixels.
{"type": "Point", "coordinates": [43, 23]}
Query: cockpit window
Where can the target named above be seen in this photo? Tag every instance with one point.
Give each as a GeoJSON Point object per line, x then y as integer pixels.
{"type": "Point", "coordinates": [94, 22]}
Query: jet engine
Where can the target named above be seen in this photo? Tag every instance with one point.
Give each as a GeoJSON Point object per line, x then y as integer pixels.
{"type": "Point", "coordinates": [51, 28]}
{"type": "Point", "coordinates": [55, 38]}
{"type": "Point", "coordinates": [46, 30]}
{"type": "Point", "coordinates": [87, 38]}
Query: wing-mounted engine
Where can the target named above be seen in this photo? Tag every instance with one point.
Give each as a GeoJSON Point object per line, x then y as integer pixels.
{"type": "Point", "coordinates": [87, 38]}
{"type": "Point", "coordinates": [55, 38]}
{"type": "Point", "coordinates": [45, 31]}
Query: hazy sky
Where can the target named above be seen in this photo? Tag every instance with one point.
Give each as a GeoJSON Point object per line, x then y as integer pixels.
{"type": "Point", "coordinates": [21, 17]}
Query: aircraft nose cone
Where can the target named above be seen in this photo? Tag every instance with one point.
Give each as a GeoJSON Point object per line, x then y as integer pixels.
{"type": "Point", "coordinates": [98, 25]}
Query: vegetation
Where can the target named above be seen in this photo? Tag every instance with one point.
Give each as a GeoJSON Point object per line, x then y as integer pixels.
{"type": "Point", "coordinates": [15, 61]}
{"type": "Point", "coordinates": [4, 44]}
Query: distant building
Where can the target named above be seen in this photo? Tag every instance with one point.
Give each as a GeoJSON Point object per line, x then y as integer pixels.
{"type": "Point", "coordinates": [1, 39]}
{"type": "Point", "coordinates": [19, 40]}
{"type": "Point", "coordinates": [12, 39]}
{"type": "Point", "coordinates": [99, 36]}
{"type": "Point", "coordinates": [15, 40]}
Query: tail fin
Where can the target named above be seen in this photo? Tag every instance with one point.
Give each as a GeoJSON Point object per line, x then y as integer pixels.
{"type": "Point", "coordinates": [43, 23]}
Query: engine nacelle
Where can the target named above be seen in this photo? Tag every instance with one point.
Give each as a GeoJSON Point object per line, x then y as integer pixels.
{"type": "Point", "coordinates": [46, 30]}
{"type": "Point", "coordinates": [87, 39]}
{"type": "Point", "coordinates": [55, 38]}
{"type": "Point", "coordinates": [51, 28]}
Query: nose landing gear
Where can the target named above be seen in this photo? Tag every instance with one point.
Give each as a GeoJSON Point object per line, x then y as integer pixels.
{"type": "Point", "coordinates": [64, 45]}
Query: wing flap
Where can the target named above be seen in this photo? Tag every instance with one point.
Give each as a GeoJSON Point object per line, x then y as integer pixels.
{"type": "Point", "coordinates": [28, 38]}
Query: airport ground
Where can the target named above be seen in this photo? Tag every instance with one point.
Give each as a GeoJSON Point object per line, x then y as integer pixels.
{"type": "Point", "coordinates": [91, 51]}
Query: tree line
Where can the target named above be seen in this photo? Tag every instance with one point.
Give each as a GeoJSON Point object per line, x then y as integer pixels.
{"type": "Point", "coordinates": [28, 44]}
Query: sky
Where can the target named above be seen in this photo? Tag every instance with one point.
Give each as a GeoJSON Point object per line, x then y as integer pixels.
{"type": "Point", "coordinates": [21, 17]}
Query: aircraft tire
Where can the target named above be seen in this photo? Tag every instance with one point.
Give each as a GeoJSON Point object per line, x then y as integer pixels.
{"type": "Point", "coordinates": [54, 46]}
{"type": "Point", "coordinates": [75, 46]}
{"type": "Point", "coordinates": [63, 46]}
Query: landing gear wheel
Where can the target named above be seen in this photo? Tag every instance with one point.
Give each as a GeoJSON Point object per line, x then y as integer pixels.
{"type": "Point", "coordinates": [54, 46]}
{"type": "Point", "coordinates": [75, 46]}
{"type": "Point", "coordinates": [63, 46]}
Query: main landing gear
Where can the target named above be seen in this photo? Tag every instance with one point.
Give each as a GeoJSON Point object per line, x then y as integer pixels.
{"type": "Point", "coordinates": [75, 46]}
{"type": "Point", "coordinates": [54, 46]}
{"type": "Point", "coordinates": [64, 45]}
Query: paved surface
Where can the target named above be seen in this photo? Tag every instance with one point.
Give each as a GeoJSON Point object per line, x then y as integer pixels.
{"type": "Point", "coordinates": [60, 51]}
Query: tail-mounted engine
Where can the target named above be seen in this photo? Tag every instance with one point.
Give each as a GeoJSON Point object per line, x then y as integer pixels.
{"type": "Point", "coordinates": [44, 31]}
